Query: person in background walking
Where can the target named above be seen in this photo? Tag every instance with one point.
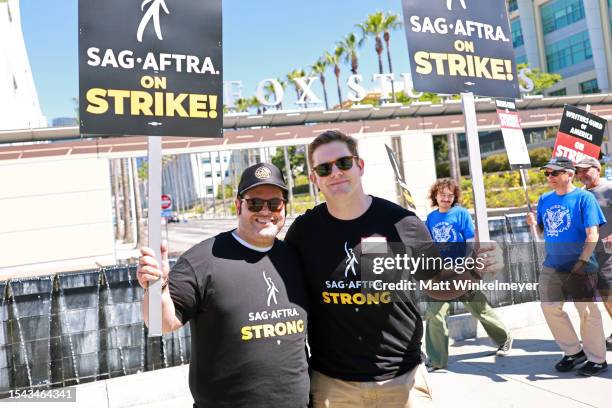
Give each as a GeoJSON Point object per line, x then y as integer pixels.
{"type": "Point", "coordinates": [588, 172]}
{"type": "Point", "coordinates": [452, 224]}
{"type": "Point", "coordinates": [569, 219]}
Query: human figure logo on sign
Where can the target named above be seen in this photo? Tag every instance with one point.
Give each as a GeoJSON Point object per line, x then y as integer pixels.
{"type": "Point", "coordinates": [152, 14]}
{"type": "Point", "coordinates": [449, 4]}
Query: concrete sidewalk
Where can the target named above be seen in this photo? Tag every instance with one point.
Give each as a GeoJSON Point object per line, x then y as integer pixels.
{"type": "Point", "coordinates": [526, 378]}
{"type": "Point", "coordinates": [475, 378]}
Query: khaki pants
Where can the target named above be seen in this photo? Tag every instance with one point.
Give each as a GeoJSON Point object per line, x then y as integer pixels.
{"type": "Point", "coordinates": [591, 326]}
{"type": "Point", "coordinates": [409, 390]}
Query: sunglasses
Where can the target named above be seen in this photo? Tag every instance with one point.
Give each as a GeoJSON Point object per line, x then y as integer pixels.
{"type": "Point", "coordinates": [449, 196]}
{"type": "Point", "coordinates": [257, 204]}
{"type": "Point", "coordinates": [343, 163]}
{"type": "Point", "coordinates": [553, 173]}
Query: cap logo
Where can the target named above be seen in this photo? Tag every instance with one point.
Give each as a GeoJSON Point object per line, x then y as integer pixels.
{"type": "Point", "coordinates": [263, 173]}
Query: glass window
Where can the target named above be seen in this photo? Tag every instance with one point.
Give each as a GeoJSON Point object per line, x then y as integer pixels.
{"type": "Point", "coordinates": [218, 174]}
{"type": "Point", "coordinates": [208, 174]}
{"type": "Point", "coordinates": [521, 59]}
{"type": "Point", "coordinates": [513, 5]}
{"type": "Point", "coordinates": [589, 87]}
{"type": "Point", "coordinates": [205, 160]}
{"type": "Point", "coordinates": [517, 35]}
{"type": "Point", "coordinates": [558, 92]}
{"type": "Point", "coordinates": [569, 51]}
{"type": "Point", "coordinates": [209, 190]}
{"type": "Point", "coordinates": [557, 14]}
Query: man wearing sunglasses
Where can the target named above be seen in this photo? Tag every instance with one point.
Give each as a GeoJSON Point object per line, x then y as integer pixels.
{"type": "Point", "coordinates": [366, 348]}
{"type": "Point", "coordinates": [242, 292]}
{"type": "Point", "coordinates": [588, 172]}
{"type": "Point", "coordinates": [569, 219]}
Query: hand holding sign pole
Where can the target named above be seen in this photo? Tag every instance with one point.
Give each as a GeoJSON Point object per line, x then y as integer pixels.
{"type": "Point", "coordinates": [154, 289]}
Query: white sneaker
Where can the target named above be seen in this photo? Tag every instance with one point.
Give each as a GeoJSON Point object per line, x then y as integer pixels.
{"type": "Point", "coordinates": [505, 348]}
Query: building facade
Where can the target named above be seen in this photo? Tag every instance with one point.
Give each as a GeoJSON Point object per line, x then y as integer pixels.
{"type": "Point", "coordinates": [19, 107]}
{"type": "Point", "coordinates": [569, 37]}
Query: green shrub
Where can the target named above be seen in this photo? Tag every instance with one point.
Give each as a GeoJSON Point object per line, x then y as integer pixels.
{"type": "Point", "coordinates": [443, 170]}
{"type": "Point", "coordinates": [300, 189]}
{"type": "Point", "coordinates": [540, 156]}
{"type": "Point", "coordinates": [300, 180]}
{"type": "Point", "coordinates": [504, 189]}
{"type": "Point", "coordinates": [496, 162]}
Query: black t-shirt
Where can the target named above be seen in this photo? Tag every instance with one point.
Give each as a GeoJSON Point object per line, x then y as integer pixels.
{"type": "Point", "coordinates": [349, 339]}
{"type": "Point", "coordinates": [247, 312]}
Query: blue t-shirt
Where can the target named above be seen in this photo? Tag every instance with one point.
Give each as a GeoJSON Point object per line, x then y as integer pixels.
{"type": "Point", "coordinates": [455, 225]}
{"type": "Point", "coordinates": [565, 219]}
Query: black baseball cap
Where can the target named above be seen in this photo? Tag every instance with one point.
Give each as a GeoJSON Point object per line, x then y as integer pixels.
{"type": "Point", "coordinates": [559, 163]}
{"type": "Point", "coordinates": [260, 174]}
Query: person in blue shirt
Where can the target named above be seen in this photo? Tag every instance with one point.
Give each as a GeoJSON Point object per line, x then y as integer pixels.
{"type": "Point", "coordinates": [451, 223]}
{"type": "Point", "coordinates": [569, 220]}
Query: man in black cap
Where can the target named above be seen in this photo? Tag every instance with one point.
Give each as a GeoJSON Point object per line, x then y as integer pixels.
{"type": "Point", "coordinates": [242, 292]}
{"type": "Point", "coordinates": [588, 172]}
{"type": "Point", "coordinates": [569, 218]}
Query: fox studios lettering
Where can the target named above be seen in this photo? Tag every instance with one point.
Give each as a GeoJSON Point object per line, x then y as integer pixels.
{"type": "Point", "coordinates": [150, 67]}
{"type": "Point", "coordinates": [461, 46]}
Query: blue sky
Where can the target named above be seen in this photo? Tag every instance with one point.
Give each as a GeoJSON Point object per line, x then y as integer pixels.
{"type": "Point", "coordinates": [262, 39]}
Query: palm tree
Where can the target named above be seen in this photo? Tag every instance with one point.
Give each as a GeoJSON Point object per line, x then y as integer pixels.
{"type": "Point", "coordinates": [373, 26]}
{"type": "Point", "coordinates": [269, 89]}
{"type": "Point", "coordinates": [334, 59]}
{"type": "Point", "coordinates": [254, 102]}
{"type": "Point", "coordinates": [242, 105]}
{"type": "Point", "coordinates": [390, 22]}
{"type": "Point", "coordinates": [349, 45]}
{"type": "Point", "coordinates": [319, 67]}
{"type": "Point", "coordinates": [296, 73]}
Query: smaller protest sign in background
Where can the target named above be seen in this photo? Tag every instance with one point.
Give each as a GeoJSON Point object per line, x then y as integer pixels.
{"type": "Point", "coordinates": [461, 46]}
{"type": "Point", "coordinates": [580, 134]}
{"type": "Point", "coordinates": [150, 67]}
{"type": "Point", "coordinates": [514, 139]}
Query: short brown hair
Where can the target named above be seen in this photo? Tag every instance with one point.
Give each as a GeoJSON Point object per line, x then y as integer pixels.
{"type": "Point", "coordinates": [332, 136]}
{"type": "Point", "coordinates": [441, 184]}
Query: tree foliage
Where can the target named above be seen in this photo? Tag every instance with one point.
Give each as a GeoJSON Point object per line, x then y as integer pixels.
{"type": "Point", "coordinates": [297, 160]}
{"type": "Point", "coordinates": [541, 80]}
